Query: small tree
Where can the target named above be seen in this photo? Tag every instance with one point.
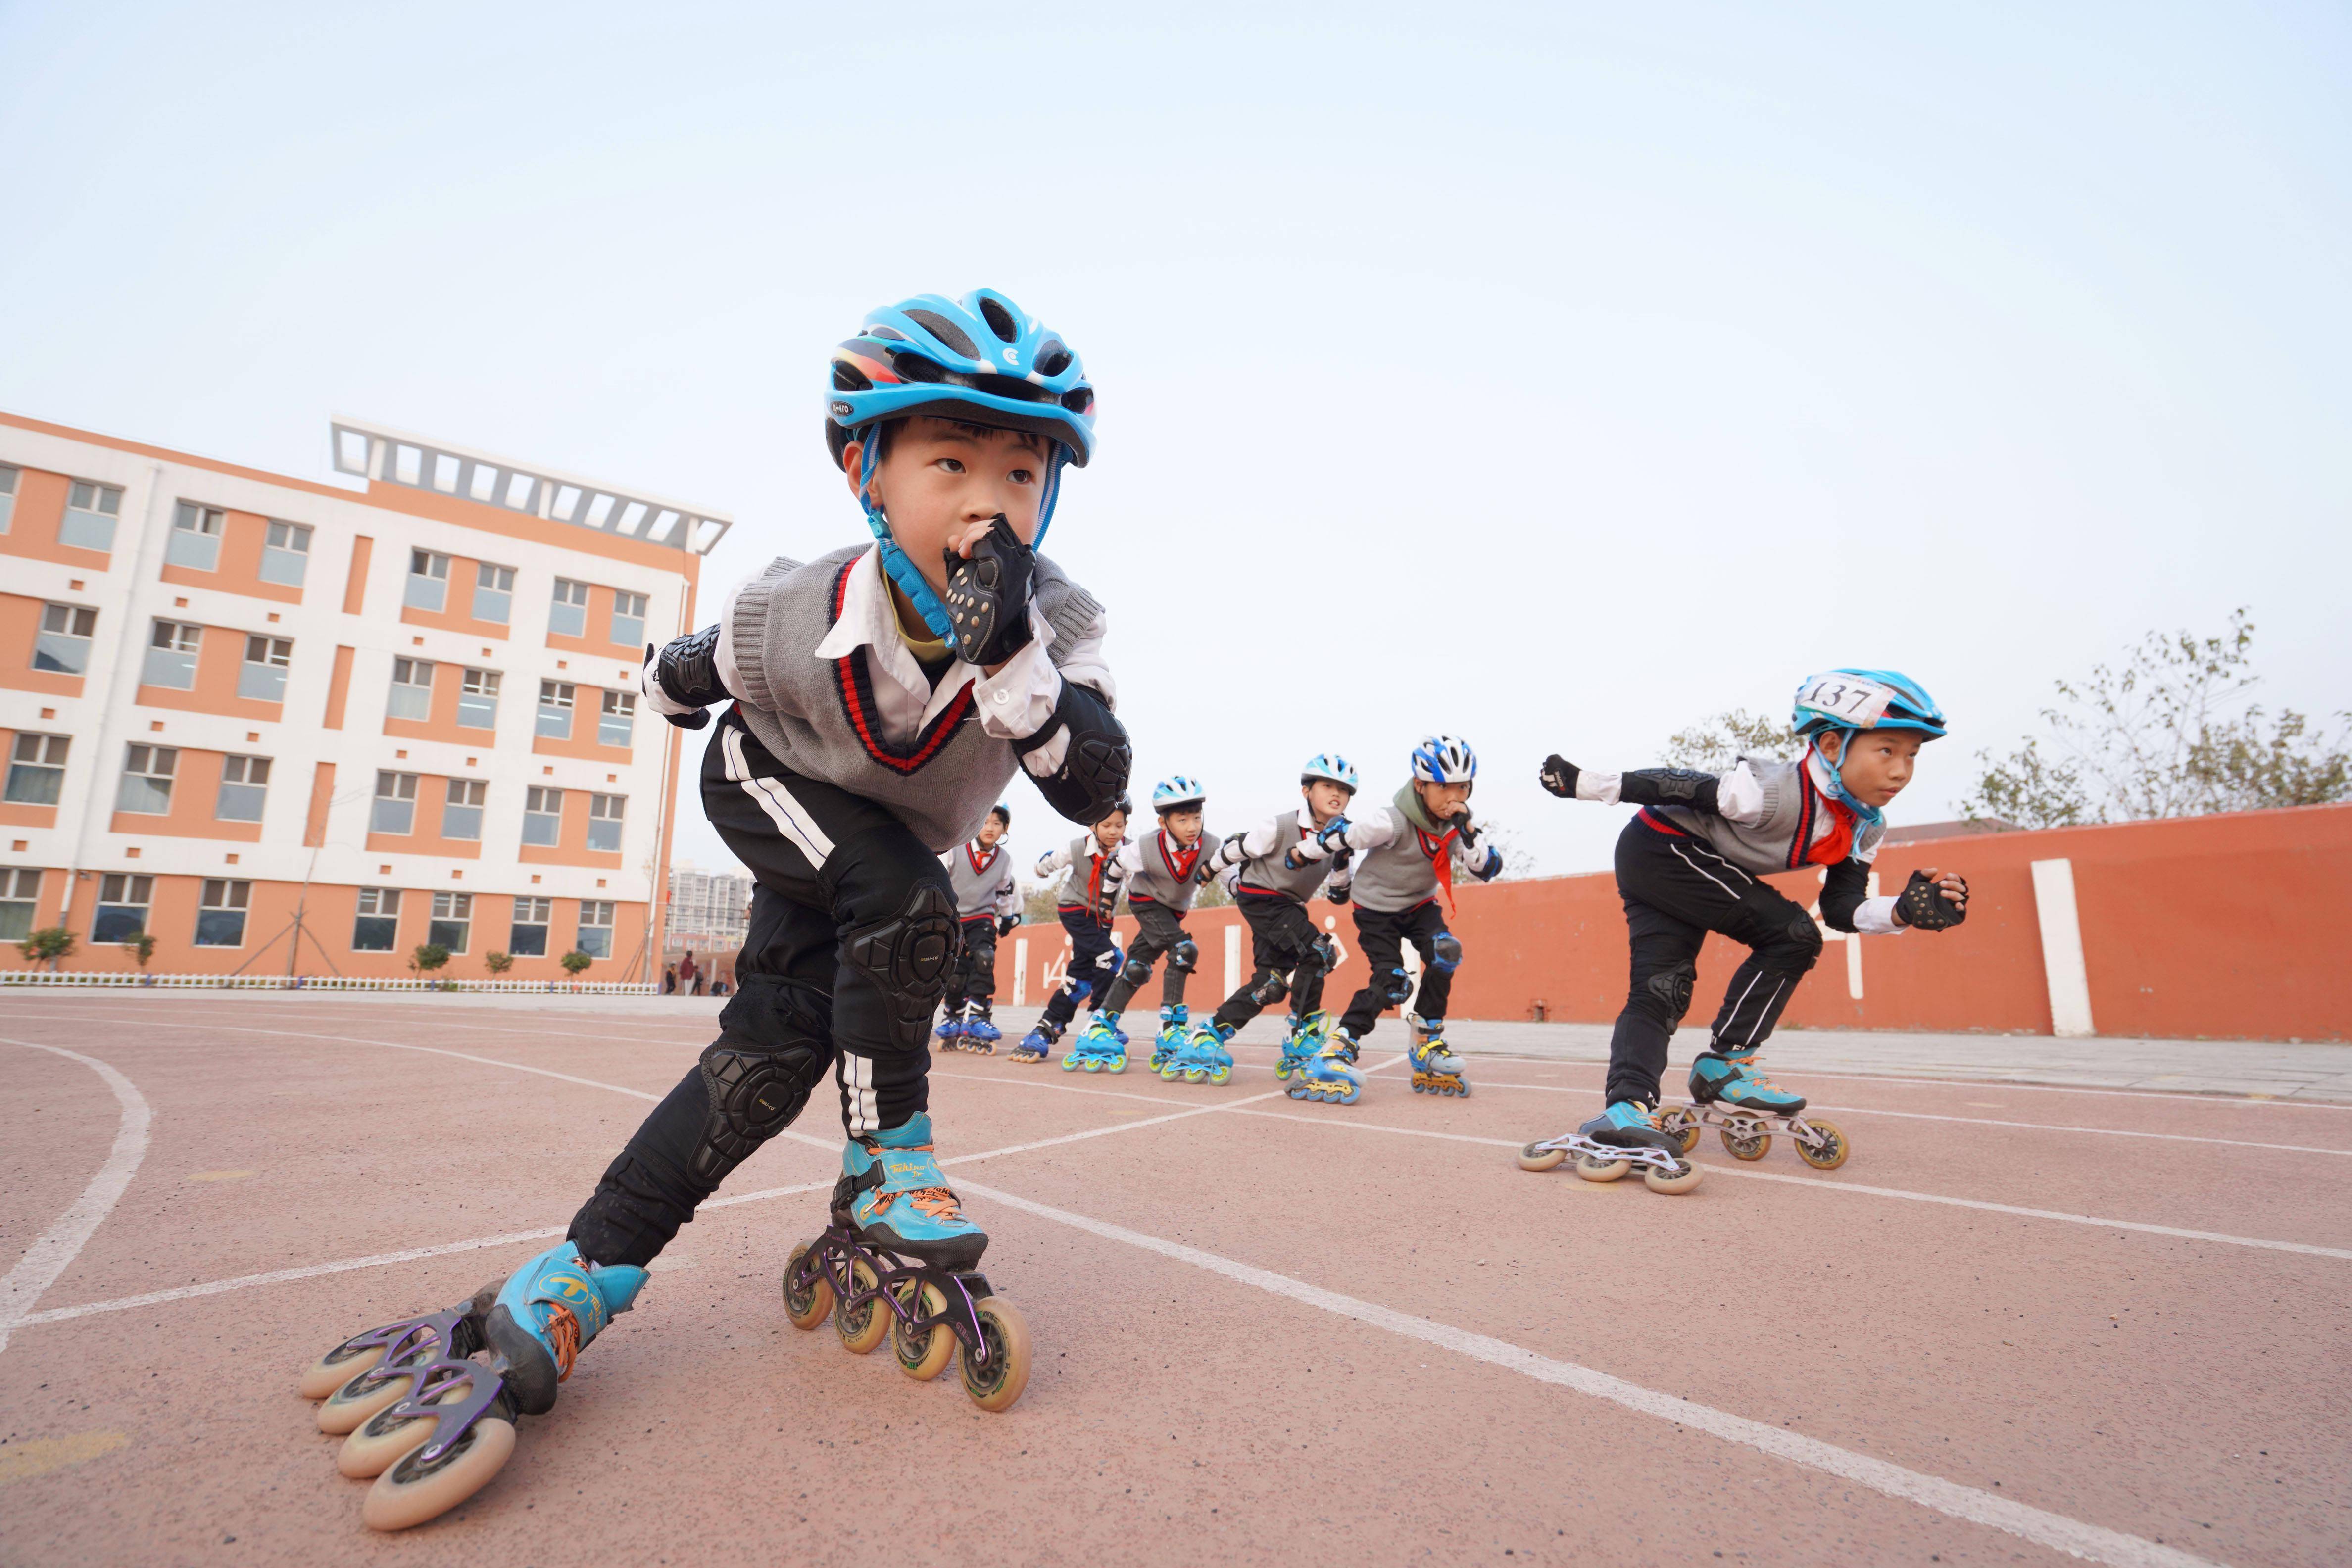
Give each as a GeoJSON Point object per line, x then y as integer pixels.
{"type": "Point", "coordinates": [1712, 745]}
{"type": "Point", "coordinates": [498, 963]}
{"type": "Point", "coordinates": [142, 947]}
{"type": "Point", "coordinates": [47, 945]}
{"type": "Point", "coordinates": [575, 962]}
{"type": "Point", "coordinates": [428, 957]}
{"type": "Point", "coordinates": [1518, 860]}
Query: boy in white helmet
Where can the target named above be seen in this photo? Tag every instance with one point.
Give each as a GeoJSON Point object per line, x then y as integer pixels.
{"type": "Point", "coordinates": [1407, 853]}
{"type": "Point", "coordinates": [1161, 872]}
{"type": "Point", "coordinates": [987, 906]}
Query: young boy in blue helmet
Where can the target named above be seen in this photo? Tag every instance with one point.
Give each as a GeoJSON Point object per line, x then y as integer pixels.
{"type": "Point", "coordinates": [1693, 859]}
{"type": "Point", "coordinates": [987, 906]}
{"type": "Point", "coordinates": [1288, 955]}
{"type": "Point", "coordinates": [1091, 879]}
{"type": "Point", "coordinates": [879, 700]}
{"type": "Point", "coordinates": [1161, 873]}
{"type": "Point", "coordinates": [1406, 854]}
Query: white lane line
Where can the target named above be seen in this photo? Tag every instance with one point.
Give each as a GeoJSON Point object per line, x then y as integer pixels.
{"type": "Point", "coordinates": [2038, 1526]}
{"type": "Point", "coordinates": [56, 1248]}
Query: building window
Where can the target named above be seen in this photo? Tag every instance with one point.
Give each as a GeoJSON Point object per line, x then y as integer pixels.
{"type": "Point", "coordinates": [266, 659]}
{"type": "Point", "coordinates": [453, 920]}
{"type": "Point", "coordinates": [122, 903]}
{"type": "Point", "coordinates": [62, 647]}
{"type": "Point", "coordinates": [461, 814]}
{"type": "Point", "coordinates": [412, 690]}
{"type": "Point", "coordinates": [429, 581]}
{"type": "Point", "coordinates": [620, 714]}
{"type": "Point", "coordinates": [8, 495]}
{"type": "Point", "coordinates": [543, 815]}
{"type": "Point", "coordinates": [172, 656]}
{"type": "Point", "coordinates": [604, 822]}
{"type": "Point", "coordinates": [478, 700]}
{"type": "Point", "coordinates": [568, 617]}
{"type": "Point", "coordinates": [147, 779]}
{"type": "Point", "coordinates": [396, 804]}
{"type": "Point", "coordinates": [629, 619]}
{"type": "Point", "coordinates": [245, 786]}
{"type": "Point", "coordinates": [20, 902]}
{"type": "Point", "coordinates": [596, 928]}
{"type": "Point", "coordinates": [195, 536]}
{"type": "Point", "coordinates": [220, 918]}
{"type": "Point", "coordinates": [493, 592]}
{"type": "Point", "coordinates": [90, 514]}
{"type": "Point", "coordinates": [286, 556]}
{"type": "Point", "coordinates": [555, 699]}
{"type": "Point", "coordinates": [36, 770]}
{"type": "Point", "coordinates": [528, 939]}
{"type": "Point", "coordinates": [377, 928]}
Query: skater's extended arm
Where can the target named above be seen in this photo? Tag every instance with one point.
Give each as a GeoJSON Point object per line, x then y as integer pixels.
{"type": "Point", "coordinates": [1932, 901]}
{"type": "Point", "coordinates": [1059, 860]}
{"type": "Point", "coordinates": [683, 677]}
{"type": "Point", "coordinates": [1258, 842]}
{"type": "Point", "coordinates": [1735, 797]}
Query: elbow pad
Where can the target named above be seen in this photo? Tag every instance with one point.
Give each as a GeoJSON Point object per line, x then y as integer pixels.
{"type": "Point", "coordinates": [687, 670]}
{"type": "Point", "coordinates": [1096, 762]}
{"type": "Point", "coordinates": [1842, 892]}
{"type": "Point", "coordinates": [1670, 786]}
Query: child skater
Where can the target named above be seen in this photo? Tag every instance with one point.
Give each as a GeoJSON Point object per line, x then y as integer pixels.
{"type": "Point", "coordinates": [1693, 859]}
{"type": "Point", "coordinates": [1089, 893]}
{"type": "Point", "coordinates": [1163, 872]}
{"type": "Point", "coordinates": [1287, 955]}
{"type": "Point", "coordinates": [987, 906]}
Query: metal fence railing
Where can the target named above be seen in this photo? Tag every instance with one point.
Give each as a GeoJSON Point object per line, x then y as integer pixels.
{"type": "Point", "coordinates": [137, 981]}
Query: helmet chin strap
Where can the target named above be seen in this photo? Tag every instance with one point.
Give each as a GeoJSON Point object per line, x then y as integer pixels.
{"type": "Point", "coordinates": [902, 571]}
{"type": "Point", "coordinates": [1838, 791]}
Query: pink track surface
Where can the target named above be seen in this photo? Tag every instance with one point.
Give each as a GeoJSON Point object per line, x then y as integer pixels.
{"type": "Point", "coordinates": [1267, 1331]}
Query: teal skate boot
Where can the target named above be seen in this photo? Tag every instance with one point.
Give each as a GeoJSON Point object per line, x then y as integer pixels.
{"type": "Point", "coordinates": [1101, 1047]}
{"type": "Point", "coordinates": [1298, 1048]}
{"type": "Point", "coordinates": [1746, 1110]}
{"type": "Point", "coordinates": [1732, 1078]}
{"type": "Point", "coordinates": [1435, 1069]}
{"type": "Point", "coordinates": [894, 1196]}
{"type": "Point", "coordinates": [1174, 1026]}
{"type": "Point", "coordinates": [1329, 1075]}
{"type": "Point", "coordinates": [548, 1312]}
{"type": "Point", "coordinates": [1203, 1058]}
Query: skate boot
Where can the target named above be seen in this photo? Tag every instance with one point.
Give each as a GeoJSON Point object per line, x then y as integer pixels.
{"type": "Point", "coordinates": [895, 1197]}
{"type": "Point", "coordinates": [980, 1032]}
{"type": "Point", "coordinates": [1624, 1137]}
{"type": "Point", "coordinates": [1746, 1109]}
{"type": "Point", "coordinates": [1732, 1078]}
{"type": "Point", "coordinates": [1330, 1073]}
{"type": "Point", "coordinates": [1203, 1057]}
{"type": "Point", "coordinates": [1170, 1039]}
{"type": "Point", "coordinates": [1435, 1069]}
{"type": "Point", "coordinates": [1037, 1044]}
{"type": "Point", "coordinates": [1297, 1046]}
{"type": "Point", "coordinates": [950, 1034]}
{"type": "Point", "coordinates": [1101, 1047]}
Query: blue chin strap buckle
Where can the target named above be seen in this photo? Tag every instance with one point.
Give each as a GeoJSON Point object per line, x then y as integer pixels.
{"type": "Point", "coordinates": [903, 572]}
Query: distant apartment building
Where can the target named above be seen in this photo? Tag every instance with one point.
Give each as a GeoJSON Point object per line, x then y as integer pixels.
{"type": "Point", "coordinates": [408, 707]}
{"type": "Point", "coordinates": [707, 910]}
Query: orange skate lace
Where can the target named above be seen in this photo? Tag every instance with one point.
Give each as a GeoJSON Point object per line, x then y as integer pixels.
{"type": "Point", "coordinates": [938, 1203]}
{"type": "Point", "coordinates": [563, 1332]}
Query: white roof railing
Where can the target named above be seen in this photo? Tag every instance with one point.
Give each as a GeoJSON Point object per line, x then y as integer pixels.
{"type": "Point", "coordinates": [377, 452]}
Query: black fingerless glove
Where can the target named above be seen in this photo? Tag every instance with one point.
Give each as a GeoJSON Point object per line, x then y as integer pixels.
{"type": "Point", "coordinates": [988, 595]}
{"type": "Point", "coordinates": [1924, 904]}
{"type": "Point", "coordinates": [1005, 924]}
{"type": "Point", "coordinates": [687, 670]}
{"type": "Point", "coordinates": [1558, 774]}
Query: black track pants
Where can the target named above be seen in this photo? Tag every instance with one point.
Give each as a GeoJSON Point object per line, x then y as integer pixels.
{"type": "Point", "coordinates": [852, 931]}
{"type": "Point", "coordinates": [1159, 931]}
{"type": "Point", "coordinates": [1676, 890]}
{"type": "Point", "coordinates": [1093, 962]}
{"type": "Point", "coordinates": [973, 977]}
{"type": "Point", "coordinates": [1283, 950]}
{"type": "Point", "coordinates": [1380, 937]}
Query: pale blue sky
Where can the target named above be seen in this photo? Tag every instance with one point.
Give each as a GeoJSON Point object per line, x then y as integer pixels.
{"type": "Point", "coordinates": [1552, 375]}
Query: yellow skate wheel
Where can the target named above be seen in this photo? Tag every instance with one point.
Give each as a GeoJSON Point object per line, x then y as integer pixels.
{"type": "Point", "coordinates": [1592, 1168]}
{"type": "Point", "coordinates": [1117, 1063]}
{"type": "Point", "coordinates": [923, 1356]}
{"type": "Point", "coordinates": [1754, 1147]}
{"type": "Point", "coordinates": [1535, 1157]}
{"type": "Point", "coordinates": [863, 1327]}
{"type": "Point", "coordinates": [1221, 1075]}
{"type": "Point", "coordinates": [1070, 1063]}
{"type": "Point", "coordinates": [1831, 1153]}
{"type": "Point", "coordinates": [1683, 1124]}
{"type": "Point", "coordinates": [1006, 1335]}
{"type": "Point", "coordinates": [326, 1375]}
{"type": "Point", "coordinates": [1681, 1180]}
{"type": "Point", "coordinates": [385, 1437]}
{"type": "Point", "coordinates": [411, 1491]}
{"type": "Point", "coordinates": [348, 1409]}
{"type": "Point", "coordinates": [1171, 1074]}
{"type": "Point", "coordinates": [806, 1309]}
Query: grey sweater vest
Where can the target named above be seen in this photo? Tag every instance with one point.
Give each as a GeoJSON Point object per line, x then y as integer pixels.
{"type": "Point", "coordinates": [1403, 872]}
{"type": "Point", "coordinates": [1795, 815]}
{"type": "Point", "coordinates": [976, 891]}
{"type": "Point", "coordinates": [1267, 873]}
{"type": "Point", "coordinates": [1158, 880]}
{"type": "Point", "coordinates": [818, 719]}
{"type": "Point", "coordinates": [1077, 891]}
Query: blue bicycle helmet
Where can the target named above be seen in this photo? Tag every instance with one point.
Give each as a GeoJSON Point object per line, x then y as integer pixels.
{"type": "Point", "coordinates": [1175, 793]}
{"type": "Point", "coordinates": [1445, 759]}
{"type": "Point", "coordinates": [1847, 701]}
{"type": "Point", "coordinates": [980, 360]}
{"type": "Point", "coordinates": [1332, 767]}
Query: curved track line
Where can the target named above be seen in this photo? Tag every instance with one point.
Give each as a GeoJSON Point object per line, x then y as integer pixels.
{"type": "Point", "coordinates": [55, 1248]}
{"type": "Point", "coordinates": [2054, 1530]}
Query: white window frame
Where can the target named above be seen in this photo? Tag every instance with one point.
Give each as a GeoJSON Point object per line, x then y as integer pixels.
{"type": "Point", "coordinates": [245, 775]}
{"type": "Point", "coordinates": [570, 596]}
{"type": "Point", "coordinates": [223, 896]}
{"type": "Point", "coordinates": [173, 649]}
{"type": "Point", "coordinates": [460, 913]}
{"type": "Point", "coordinates": [542, 802]}
{"type": "Point", "coordinates": [195, 540]}
{"type": "Point", "coordinates": [377, 904]}
{"type": "Point", "coordinates": [20, 901]}
{"type": "Point", "coordinates": [558, 699]}
{"type": "Point", "coordinates": [618, 713]}
{"type": "Point", "coordinates": [622, 612]}
{"type": "Point", "coordinates": [393, 789]}
{"type": "Point", "coordinates": [286, 553]}
{"type": "Point", "coordinates": [63, 626]}
{"type": "Point", "coordinates": [497, 582]}
{"type": "Point", "coordinates": [92, 508]}
{"type": "Point", "coordinates": [123, 890]}
{"type": "Point", "coordinates": [464, 794]}
{"type": "Point", "coordinates": [612, 808]}
{"type": "Point", "coordinates": [604, 928]}
{"type": "Point", "coordinates": [149, 763]}
{"type": "Point", "coordinates": [37, 763]}
{"type": "Point", "coordinates": [427, 587]}
{"type": "Point", "coordinates": [263, 679]}
{"type": "Point", "coordinates": [477, 692]}
{"type": "Point", "coordinates": [530, 914]}
{"type": "Point", "coordinates": [411, 669]}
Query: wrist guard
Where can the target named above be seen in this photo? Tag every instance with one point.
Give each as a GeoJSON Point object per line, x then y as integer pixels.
{"type": "Point", "coordinates": [1460, 823]}
{"type": "Point", "coordinates": [1092, 779]}
{"type": "Point", "coordinates": [988, 595]}
{"type": "Point", "coordinates": [1005, 924]}
{"type": "Point", "coordinates": [1669, 787]}
{"type": "Point", "coordinates": [1558, 774]}
{"type": "Point", "coordinates": [687, 670]}
{"type": "Point", "coordinates": [1924, 904]}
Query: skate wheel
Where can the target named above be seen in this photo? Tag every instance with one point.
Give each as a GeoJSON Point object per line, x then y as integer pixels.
{"type": "Point", "coordinates": [806, 1309]}
{"type": "Point", "coordinates": [1221, 1075]}
{"type": "Point", "coordinates": [1536, 1157]}
{"type": "Point", "coordinates": [1117, 1065]}
{"type": "Point", "coordinates": [1592, 1168]}
{"type": "Point", "coordinates": [867, 1324]}
{"type": "Point", "coordinates": [411, 1491]}
{"type": "Point", "coordinates": [923, 1356]}
{"type": "Point", "coordinates": [1683, 1127]}
{"type": "Point", "coordinates": [1416, 1085]}
{"type": "Point", "coordinates": [1754, 1147]}
{"type": "Point", "coordinates": [348, 1409]}
{"type": "Point", "coordinates": [1831, 1153]}
{"type": "Point", "coordinates": [328, 1374]}
{"type": "Point", "coordinates": [386, 1436]}
{"type": "Point", "coordinates": [1682, 1178]}
{"type": "Point", "coordinates": [1169, 1075]}
{"type": "Point", "coordinates": [1006, 1335]}
{"type": "Point", "coordinates": [1070, 1063]}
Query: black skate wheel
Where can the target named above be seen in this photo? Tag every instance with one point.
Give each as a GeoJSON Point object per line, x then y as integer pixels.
{"type": "Point", "coordinates": [996, 1384]}
{"type": "Point", "coordinates": [1753, 1147]}
{"type": "Point", "coordinates": [806, 1309]}
{"type": "Point", "coordinates": [1535, 1157]}
{"type": "Point", "coordinates": [922, 1354]}
{"type": "Point", "coordinates": [412, 1491]}
{"type": "Point", "coordinates": [1828, 1154]}
{"type": "Point", "coordinates": [867, 1324]}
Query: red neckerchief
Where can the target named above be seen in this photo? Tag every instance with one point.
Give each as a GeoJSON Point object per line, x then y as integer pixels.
{"type": "Point", "coordinates": [1179, 866]}
{"type": "Point", "coordinates": [1836, 843]}
{"type": "Point", "coordinates": [1439, 847]}
{"type": "Point", "coordinates": [980, 865]}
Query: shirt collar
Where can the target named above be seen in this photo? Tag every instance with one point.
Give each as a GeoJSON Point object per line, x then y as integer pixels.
{"type": "Point", "coordinates": [869, 620]}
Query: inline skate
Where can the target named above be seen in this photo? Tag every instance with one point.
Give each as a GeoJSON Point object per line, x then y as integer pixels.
{"type": "Point", "coordinates": [1728, 1094]}
{"type": "Point", "coordinates": [1435, 1069]}
{"type": "Point", "coordinates": [899, 1260]}
{"type": "Point", "coordinates": [980, 1031]}
{"type": "Point", "coordinates": [1329, 1073]}
{"type": "Point", "coordinates": [950, 1034]}
{"type": "Point", "coordinates": [1202, 1056]}
{"type": "Point", "coordinates": [1623, 1138]}
{"type": "Point", "coordinates": [1298, 1048]}
{"type": "Point", "coordinates": [1037, 1044]}
{"type": "Point", "coordinates": [1100, 1048]}
{"type": "Point", "coordinates": [1174, 1026]}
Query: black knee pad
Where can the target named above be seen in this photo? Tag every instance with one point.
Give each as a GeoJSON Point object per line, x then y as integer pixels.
{"type": "Point", "coordinates": [1398, 988]}
{"type": "Point", "coordinates": [1184, 957]}
{"type": "Point", "coordinates": [1447, 948]}
{"type": "Point", "coordinates": [1672, 989]}
{"type": "Point", "coordinates": [1803, 947]}
{"type": "Point", "coordinates": [754, 1095]}
{"type": "Point", "coordinates": [1269, 988]}
{"type": "Point", "coordinates": [1136, 971]}
{"type": "Point", "coordinates": [1322, 956]}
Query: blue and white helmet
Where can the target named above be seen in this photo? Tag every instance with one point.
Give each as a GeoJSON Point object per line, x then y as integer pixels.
{"type": "Point", "coordinates": [1176, 792]}
{"type": "Point", "coordinates": [1445, 759]}
{"type": "Point", "coordinates": [1329, 765]}
{"type": "Point", "coordinates": [1864, 699]}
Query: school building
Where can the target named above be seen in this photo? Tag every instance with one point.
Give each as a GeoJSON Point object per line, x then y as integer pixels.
{"type": "Point", "coordinates": [404, 706]}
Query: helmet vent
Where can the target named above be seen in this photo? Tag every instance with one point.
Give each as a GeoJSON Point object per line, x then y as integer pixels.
{"type": "Point", "coordinates": [887, 334]}
{"type": "Point", "coordinates": [1011, 387]}
{"type": "Point", "coordinates": [1078, 400]}
{"type": "Point", "coordinates": [913, 366]}
{"type": "Point", "coordinates": [947, 332]}
{"type": "Point", "coordinates": [999, 320]}
{"type": "Point", "coordinates": [847, 377]}
{"type": "Point", "coordinates": [1053, 359]}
